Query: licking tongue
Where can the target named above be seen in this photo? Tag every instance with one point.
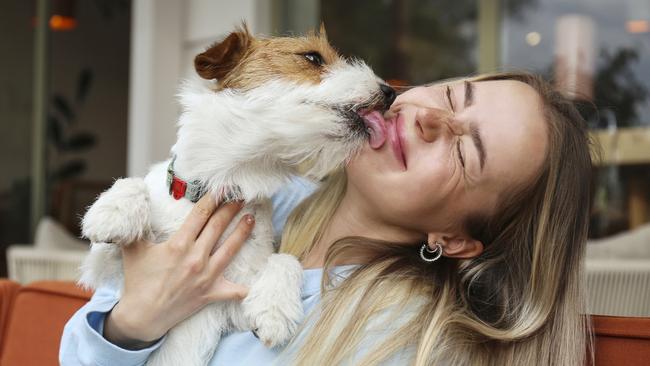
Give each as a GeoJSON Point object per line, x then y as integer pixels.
{"type": "Point", "coordinates": [374, 121]}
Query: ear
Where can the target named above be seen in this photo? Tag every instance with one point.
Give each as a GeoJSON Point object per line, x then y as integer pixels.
{"type": "Point", "coordinates": [218, 60]}
{"type": "Point", "coordinates": [321, 32]}
{"type": "Point", "coordinates": [455, 245]}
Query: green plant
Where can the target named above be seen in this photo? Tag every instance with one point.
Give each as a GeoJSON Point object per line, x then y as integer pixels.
{"type": "Point", "coordinates": [63, 115]}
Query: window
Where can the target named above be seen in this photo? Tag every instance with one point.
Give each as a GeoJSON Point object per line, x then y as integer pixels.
{"type": "Point", "coordinates": [599, 52]}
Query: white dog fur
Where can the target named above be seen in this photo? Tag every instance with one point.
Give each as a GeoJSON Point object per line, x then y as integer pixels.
{"type": "Point", "coordinates": [252, 140]}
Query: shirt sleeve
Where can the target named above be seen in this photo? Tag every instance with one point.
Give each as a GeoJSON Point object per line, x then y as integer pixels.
{"type": "Point", "coordinates": [82, 342]}
{"type": "Point", "coordinates": [286, 199]}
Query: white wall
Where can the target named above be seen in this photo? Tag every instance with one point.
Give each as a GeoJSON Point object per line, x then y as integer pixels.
{"type": "Point", "coordinates": [165, 37]}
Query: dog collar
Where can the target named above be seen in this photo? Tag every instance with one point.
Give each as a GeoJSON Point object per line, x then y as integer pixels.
{"type": "Point", "coordinates": [179, 188]}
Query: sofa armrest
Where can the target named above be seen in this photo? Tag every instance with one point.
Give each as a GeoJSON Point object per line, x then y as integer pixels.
{"type": "Point", "coordinates": [36, 320]}
{"type": "Point", "coordinates": [8, 291]}
{"type": "Point", "coordinates": [621, 340]}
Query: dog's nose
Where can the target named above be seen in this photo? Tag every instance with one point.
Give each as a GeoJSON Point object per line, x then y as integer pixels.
{"type": "Point", "coordinates": [389, 94]}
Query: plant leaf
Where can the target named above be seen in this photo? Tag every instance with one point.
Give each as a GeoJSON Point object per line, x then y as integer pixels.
{"type": "Point", "coordinates": [84, 83]}
{"type": "Point", "coordinates": [62, 106]}
{"type": "Point", "coordinates": [54, 132]}
{"type": "Point", "coordinates": [69, 169]}
{"type": "Point", "coordinates": [80, 142]}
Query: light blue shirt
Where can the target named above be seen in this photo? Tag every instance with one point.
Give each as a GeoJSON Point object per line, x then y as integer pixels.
{"type": "Point", "coordinates": [82, 342]}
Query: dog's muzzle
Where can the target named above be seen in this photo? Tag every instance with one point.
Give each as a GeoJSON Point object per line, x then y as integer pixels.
{"type": "Point", "coordinates": [381, 102]}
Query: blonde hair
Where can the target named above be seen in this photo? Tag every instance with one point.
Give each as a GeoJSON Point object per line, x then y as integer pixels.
{"type": "Point", "coordinates": [520, 302]}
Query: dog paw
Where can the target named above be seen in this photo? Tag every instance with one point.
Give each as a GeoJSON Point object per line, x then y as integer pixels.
{"type": "Point", "coordinates": [120, 215]}
{"type": "Point", "coordinates": [274, 329]}
{"type": "Point", "coordinates": [273, 304]}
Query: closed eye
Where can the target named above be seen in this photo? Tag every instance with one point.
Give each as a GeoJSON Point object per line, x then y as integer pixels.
{"type": "Point", "coordinates": [460, 154]}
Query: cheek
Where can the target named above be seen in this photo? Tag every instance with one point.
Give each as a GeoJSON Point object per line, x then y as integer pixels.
{"type": "Point", "coordinates": [431, 192]}
{"type": "Point", "coordinates": [432, 171]}
{"type": "Point", "coordinates": [408, 198]}
{"type": "Point", "coordinates": [424, 190]}
{"type": "Point", "coordinates": [367, 177]}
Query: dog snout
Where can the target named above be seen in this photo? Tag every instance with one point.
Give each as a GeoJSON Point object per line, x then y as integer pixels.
{"type": "Point", "coordinates": [389, 95]}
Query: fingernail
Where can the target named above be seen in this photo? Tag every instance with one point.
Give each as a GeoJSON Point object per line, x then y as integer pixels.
{"type": "Point", "coordinates": [250, 219]}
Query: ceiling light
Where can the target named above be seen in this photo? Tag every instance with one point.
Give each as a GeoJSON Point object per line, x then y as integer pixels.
{"type": "Point", "coordinates": [533, 38]}
{"type": "Point", "coordinates": [637, 26]}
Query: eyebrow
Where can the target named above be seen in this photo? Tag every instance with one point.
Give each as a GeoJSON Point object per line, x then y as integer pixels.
{"type": "Point", "coordinates": [473, 127]}
{"type": "Point", "coordinates": [469, 93]}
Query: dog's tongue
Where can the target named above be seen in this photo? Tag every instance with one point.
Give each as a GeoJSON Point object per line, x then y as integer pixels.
{"type": "Point", "coordinates": [376, 125]}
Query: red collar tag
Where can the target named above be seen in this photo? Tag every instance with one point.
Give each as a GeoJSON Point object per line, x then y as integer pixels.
{"type": "Point", "coordinates": [178, 188]}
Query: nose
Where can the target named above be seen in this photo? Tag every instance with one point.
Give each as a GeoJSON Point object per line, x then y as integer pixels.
{"type": "Point", "coordinates": [389, 94]}
{"type": "Point", "coordinates": [432, 122]}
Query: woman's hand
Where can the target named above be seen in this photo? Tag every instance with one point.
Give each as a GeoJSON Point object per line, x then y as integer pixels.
{"type": "Point", "coordinates": [166, 283]}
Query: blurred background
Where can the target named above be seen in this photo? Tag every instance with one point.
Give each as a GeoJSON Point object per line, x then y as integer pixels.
{"type": "Point", "coordinates": [87, 95]}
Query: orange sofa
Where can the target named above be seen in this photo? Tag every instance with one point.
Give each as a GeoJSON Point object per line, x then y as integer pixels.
{"type": "Point", "coordinates": [32, 319]}
{"type": "Point", "coordinates": [622, 341]}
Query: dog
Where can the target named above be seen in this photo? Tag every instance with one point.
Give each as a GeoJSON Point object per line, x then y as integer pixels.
{"type": "Point", "coordinates": [259, 109]}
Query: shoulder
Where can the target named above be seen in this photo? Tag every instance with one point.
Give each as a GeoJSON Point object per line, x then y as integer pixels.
{"type": "Point", "coordinates": [287, 198]}
{"type": "Point", "coordinates": [296, 189]}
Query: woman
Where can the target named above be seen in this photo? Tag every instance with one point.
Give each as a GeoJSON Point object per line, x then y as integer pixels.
{"type": "Point", "coordinates": [456, 237]}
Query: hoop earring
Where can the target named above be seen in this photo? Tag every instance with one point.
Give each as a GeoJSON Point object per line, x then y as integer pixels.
{"type": "Point", "coordinates": [437, 251]}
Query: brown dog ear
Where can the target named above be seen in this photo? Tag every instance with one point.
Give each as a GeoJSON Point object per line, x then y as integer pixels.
{"type": "Point", "coordinates": [218, 60]}
{"type": "Point", "coordinates": [322, 31]}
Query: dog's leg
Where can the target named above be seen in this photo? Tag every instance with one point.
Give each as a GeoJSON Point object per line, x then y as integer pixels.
{"type": "Point", "coordinates": [193, 341]}
{"type": "Point", "coordinates": [120, 215]}
{"type": "Point", "coordinates": [273, 304]}
{"type": "Point", "coordinates": [102, 266]}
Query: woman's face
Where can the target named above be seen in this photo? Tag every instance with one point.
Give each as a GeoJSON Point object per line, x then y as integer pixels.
{"type": "Point", "coordinates": [449, 150]}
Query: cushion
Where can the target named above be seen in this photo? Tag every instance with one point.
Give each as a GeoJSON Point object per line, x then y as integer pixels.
{"type": "Point", "coordinates": [52, 235]}
{"type": "Point", "coordinates": [633, 244]}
